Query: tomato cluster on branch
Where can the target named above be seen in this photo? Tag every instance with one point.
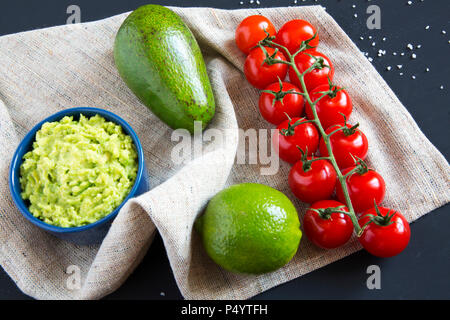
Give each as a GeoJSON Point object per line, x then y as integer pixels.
{"type": "Point", "coordinates": [326, 151]}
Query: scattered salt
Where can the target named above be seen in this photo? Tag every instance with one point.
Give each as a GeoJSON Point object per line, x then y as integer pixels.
{"type": "Point", "coordinates": [381, 52]}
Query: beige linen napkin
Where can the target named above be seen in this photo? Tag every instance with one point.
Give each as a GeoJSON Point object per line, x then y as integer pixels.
{"type": "Point", "coordinates": [44, 71]}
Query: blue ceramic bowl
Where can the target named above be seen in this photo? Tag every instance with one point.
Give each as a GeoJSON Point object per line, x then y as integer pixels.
{"type": "Point", "coordinates": [96, 231]}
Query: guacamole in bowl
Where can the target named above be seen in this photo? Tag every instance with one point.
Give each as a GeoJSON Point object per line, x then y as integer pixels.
{"type": "Point", "coordinates": [97, 147]}
{"type": "Point", "coordinates": [78, 171]}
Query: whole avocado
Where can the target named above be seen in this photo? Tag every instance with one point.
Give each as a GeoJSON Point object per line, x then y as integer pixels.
{"type": "Point", "coordinates": [159, 59]}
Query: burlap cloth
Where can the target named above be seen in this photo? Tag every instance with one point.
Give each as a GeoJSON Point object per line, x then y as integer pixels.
{"type": "Point", "coordinates": [44, 71]}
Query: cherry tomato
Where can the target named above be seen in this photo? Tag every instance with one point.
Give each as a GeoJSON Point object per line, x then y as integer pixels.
{"type": "Point", "coordinates": [327, 231]}
{"type": "Point", "coordinates": [251, 30]}
{"type": "Point", "coordinates": [316, 77]}
{"type": "Point", "coordinates": [330, 107]}
{"type": "Point", "coordinates": [304, 136]}
{"type": "Point", "coordinates": [274, 108]}
{"type": "Point", "coordinates": [387, 235]}
{"type": "Point", "coordinates": [294, 32]}
{"type": "Point", "coordinates": [259, 73]}
{"type": "Point", "coordinates": [344, 144]}
{"type": "Point", "coordinates": [364, 186]}
{"type": "Point", "coordinates": [312, 181]}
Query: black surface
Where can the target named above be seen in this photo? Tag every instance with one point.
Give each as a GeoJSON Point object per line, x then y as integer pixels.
{"type": "Point", "coordinates": [421, 271]}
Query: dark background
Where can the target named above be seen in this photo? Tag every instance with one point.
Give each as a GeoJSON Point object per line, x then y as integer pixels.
{"type": "Point", "coordinates": [422, 270]}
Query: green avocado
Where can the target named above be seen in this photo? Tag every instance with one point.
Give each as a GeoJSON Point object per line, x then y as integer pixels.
{"type": "Point", "coordinates": [160, 61]}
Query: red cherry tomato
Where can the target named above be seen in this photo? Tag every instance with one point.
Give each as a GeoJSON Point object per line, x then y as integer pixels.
{"type": "Point", "coordinates": [251, 30]}
{"type": "Point", "coordinates": [274, 108]}
{"type": "Point", "coordinates": [316, 77]}
{"type": "Point", "coordinates": [328, 232]}
{"type": "Point", "coordinates": [330, 107]}
{"type": "Point", "coordinates": [344, 144]}
{"type": "Point", "coordinates": [312, 181]}
{"type": "Point", "coordinates": [259, 73]}
{"type": "Point", "coordinates": [388, 235]}
{"type": "Point", "coordinates": [294, 32]}
{"type": "Point", "coordinates": [304, 136]}
{"type": "Point", "coordinates": [363, 187]}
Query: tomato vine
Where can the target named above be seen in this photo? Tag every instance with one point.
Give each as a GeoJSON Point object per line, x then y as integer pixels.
{"type": "Point", "coordinates": [318, 64]}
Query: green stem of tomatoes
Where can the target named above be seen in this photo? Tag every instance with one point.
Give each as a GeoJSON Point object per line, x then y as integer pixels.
{"type": "Point", "coordinates": [326, 137]}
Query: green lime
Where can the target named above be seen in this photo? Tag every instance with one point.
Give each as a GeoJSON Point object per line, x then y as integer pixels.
{"type": "Point", "coordinates": [250, 228]}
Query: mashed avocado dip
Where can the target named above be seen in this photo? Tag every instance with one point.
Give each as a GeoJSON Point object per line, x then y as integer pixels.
{"type": "Point", "coordinates": [78, 171]}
